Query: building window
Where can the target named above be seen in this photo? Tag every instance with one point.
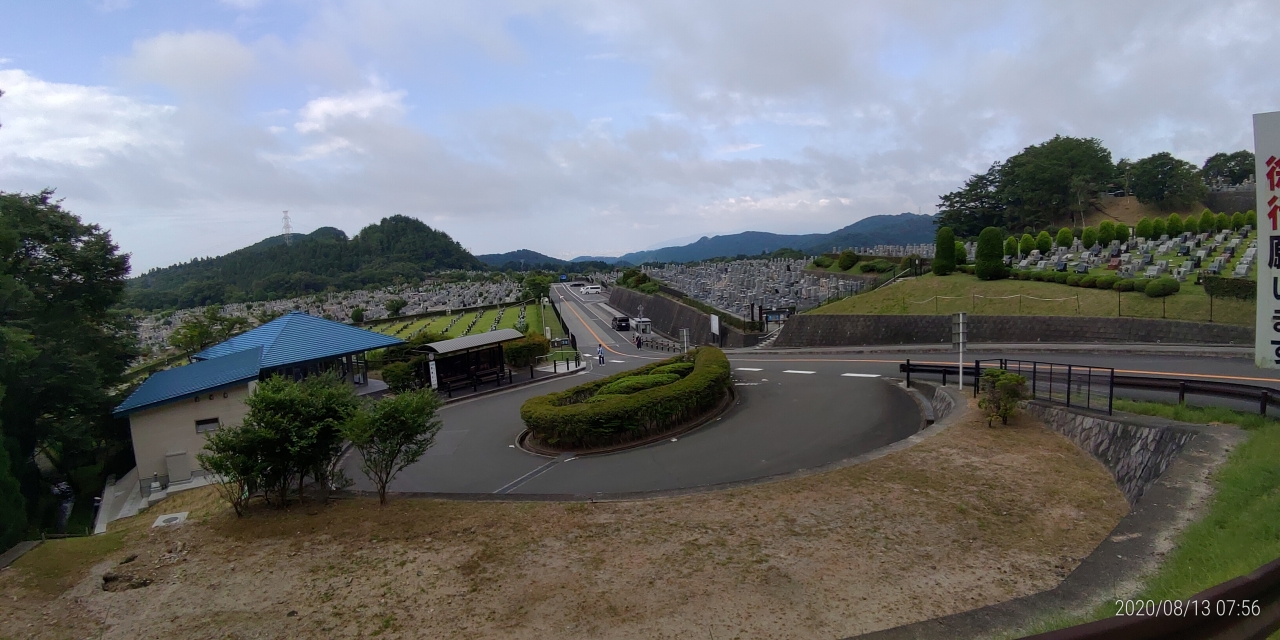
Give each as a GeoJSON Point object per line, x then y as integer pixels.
{"type": "Point", "coordinates": [211, 424]}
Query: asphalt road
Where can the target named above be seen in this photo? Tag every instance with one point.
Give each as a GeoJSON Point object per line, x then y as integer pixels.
{"type": "Point", "coordinates": [794, 411]}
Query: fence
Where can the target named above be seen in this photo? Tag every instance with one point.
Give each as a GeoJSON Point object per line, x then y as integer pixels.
{"type": "Point", "coordinates": [1094, 387]}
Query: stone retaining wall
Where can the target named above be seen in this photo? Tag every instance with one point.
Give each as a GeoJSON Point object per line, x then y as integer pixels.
{"type": "Point", "coordinates": [832, 330]}
{"type": "Point", "coordinates": [942, 403]}
{"type": "Point", "coordinates": [1135, 454]}
{"type": "Point", "coordinates": [669, 317]}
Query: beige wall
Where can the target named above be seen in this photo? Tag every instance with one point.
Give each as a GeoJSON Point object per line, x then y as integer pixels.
{"type": "Point", "coordinates": [171, 428]}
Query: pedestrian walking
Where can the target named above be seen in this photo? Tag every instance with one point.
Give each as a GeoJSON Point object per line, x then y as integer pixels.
{"type": "Point", "coordinates": [600, 353]}
{"type": "Point", "coordinates": [637, 341]}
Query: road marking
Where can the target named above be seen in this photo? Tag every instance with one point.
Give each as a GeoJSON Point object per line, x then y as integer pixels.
{"type": "Point", "coordinates": [860, 375]}
{"type": "Point", "coordinates": [748, 369]}
{"type": "Point", "coordinates": [746, 384]}
{"type": "Point", "coordinates": [564, 457]}
{"type": "Point", "coordinates": [794, 371]}
{"type": "Point", "coordinates": [619, 361]}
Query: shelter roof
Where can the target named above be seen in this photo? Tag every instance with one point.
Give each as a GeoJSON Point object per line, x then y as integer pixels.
{"type": "Point", "coordinates": [196, 378]}
{"type": "Point", "coordinates": [477, 341]}
{"type": "Point", "coordinates": [298, 337]}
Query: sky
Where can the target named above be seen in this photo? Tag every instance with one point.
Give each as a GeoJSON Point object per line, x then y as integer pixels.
{"type": "Point", "coordinates": [588, 128]}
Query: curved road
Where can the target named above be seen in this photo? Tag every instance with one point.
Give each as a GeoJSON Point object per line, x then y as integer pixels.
{"type": "Point", "coordinates": [794, 411]}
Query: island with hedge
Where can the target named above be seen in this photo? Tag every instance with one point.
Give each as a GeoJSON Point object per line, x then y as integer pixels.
{"type": "Point", "coordinates": [632, 406]}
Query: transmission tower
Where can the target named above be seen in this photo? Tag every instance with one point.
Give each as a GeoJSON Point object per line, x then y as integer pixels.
{"type": "Point", "coordinates": [288, 230]}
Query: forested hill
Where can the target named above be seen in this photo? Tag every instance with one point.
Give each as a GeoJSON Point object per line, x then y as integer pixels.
{"type": "Point", "coordinates": [398, 247]}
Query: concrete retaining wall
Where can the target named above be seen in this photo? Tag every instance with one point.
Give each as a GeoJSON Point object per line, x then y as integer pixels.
{"type": "Point", "coordinates": [1230, 202]}
{"type": "Point", "coordinates": [1134, 453]}
{"type": "Point", "coordinates": [669, 317]}
{"type": "Point", "coordinates": [942, 403]}
{"type": "Point", "coordinates": [831, 330]}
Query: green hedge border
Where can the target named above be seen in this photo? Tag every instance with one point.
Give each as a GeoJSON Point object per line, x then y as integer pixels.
{"type": "Point", "coordinates": [566, 421]}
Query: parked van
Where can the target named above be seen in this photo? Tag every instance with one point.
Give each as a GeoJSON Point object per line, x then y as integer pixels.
{"type": "Point", "coordinates": [591, 288]}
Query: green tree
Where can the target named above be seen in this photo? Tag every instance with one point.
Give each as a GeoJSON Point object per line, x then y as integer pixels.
{"type": "Point", "coordinates": [1173, 225]}
{"type": "Point", "coordinates": [1223, 222]}
{"type": "Point", "coordinates": [962, 254]}
{"type": "Point", "coordinates": [210, 327]}
{"type": "Point", "coordinates": [1044, 242]}
{"type": "Point", "coordinates": [394, 306]}
{"type": "Point", "coordinates": [357, 314]}
{"type": "Point", "coordinates": [1228, 168]}
{"type": "Point", "coordinates": [1167, 182]}
{"type": "Point", "coordinates": [393, 434]}
{"type": "Point", "coordinates": [988, 259]}
{"type": "Point", "coordinates": [1158, 228]}
{"type": "Point", "coordinates": [847, 259]}
{"type": "Point", "coordinates": [1191, 224]}
{"type": "Point", "coordinates": [1238, 220]}
{"type": "Point", "coordinates": [1208, 222]}
{"type": "Point", "coordinates": [1144, 228]}
{"type": "Point", "coordinates": [233, 456]}
{"type": "Point", "coordinates": [1063, 238]}
{"type": "Point", "coordinates": [944, 255]}
{"type": "Point", "coordinates": [1010, 246]}
{"type": "Point", "coordinates": [13, 512]}
{"type": "Point", "coordinates": [1001, 391]}
{"type": "Point", "coordinates": [1122, 232]}
{"type": "Point", "coordinates": [1052, 180]}
{"type": "Point", "coordinates": [65, 346]}
{"type": "Point", "coordinates": [1106, 232]}
{"type": "Point", "coordinates": [976, 205]}
{"type": "Point", "coordinates": [1090, 237]}
{"type": "Point", "coordinates": [538, 286]}
{"type": "Point", "coordinates": [1026, 245]}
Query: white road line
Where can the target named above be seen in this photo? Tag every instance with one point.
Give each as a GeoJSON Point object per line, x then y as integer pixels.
{"type": "Point", "coordinates": [860, 375]}
{"type": "Point", "coordinates": [748, 369]}
{"type": "Point", "coordinates": [794, 371]}
{"type": "Point", "coordinates": [619, 361]}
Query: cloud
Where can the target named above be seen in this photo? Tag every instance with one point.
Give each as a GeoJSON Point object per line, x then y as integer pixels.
{"type": "Point", "coordinates": [319, 114]}
{"type": "Point", "coordinates": [197, 62]}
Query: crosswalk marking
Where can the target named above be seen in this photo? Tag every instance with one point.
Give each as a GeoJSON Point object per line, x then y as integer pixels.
{"type": "Point", "coordinates": [860, 375]}
{"type": "Point", "coordinates": [795, 371]}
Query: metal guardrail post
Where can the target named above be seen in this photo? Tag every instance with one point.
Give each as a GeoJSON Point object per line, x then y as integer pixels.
{"type": "Point", "coordinates": [1033, 379]}
{"type": "Point", "coordinates": [908, 372]}
{"type": "Point", "coordinates": [1068, 385]}
{"type": "Point", "coordinates": [1182, 392]}
{"type": "Point", "coordinates": [944, 376]}
{"type": "Point", "coordinates": [1266, 398]}
{"type": "Point", "coordinates": [977, 375]}
{"type": "Point", "coordinates": [1111, 391]}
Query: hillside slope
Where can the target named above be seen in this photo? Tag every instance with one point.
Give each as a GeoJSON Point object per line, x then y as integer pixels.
{"type": "Point", "coordinates": [398, 247]}
{"type": "Point", "coordinates": [518, 256]}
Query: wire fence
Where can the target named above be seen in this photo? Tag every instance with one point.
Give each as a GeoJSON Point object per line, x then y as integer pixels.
{"type": "Point", "coordinates": [1072, 385]}
{"type": "Point", "coordinates": [974, 297]}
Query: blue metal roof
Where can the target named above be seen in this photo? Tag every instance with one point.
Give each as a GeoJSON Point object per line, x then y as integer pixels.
{"type": "Point", "coordinates": [196, 378]}
{"type": "Point", "coordinates": [297, 337]}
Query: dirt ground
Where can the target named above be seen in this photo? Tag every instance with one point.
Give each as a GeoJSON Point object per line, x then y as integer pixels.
{"type": "Point", "coordinates": [969, 517]}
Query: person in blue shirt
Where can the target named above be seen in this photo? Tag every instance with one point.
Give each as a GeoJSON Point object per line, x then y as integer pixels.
{"type": "Point", "coordinates": [600, 352]}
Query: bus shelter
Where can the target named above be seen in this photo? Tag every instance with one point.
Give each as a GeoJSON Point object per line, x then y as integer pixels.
{"type": "Point", "coordinates": [470, 360]}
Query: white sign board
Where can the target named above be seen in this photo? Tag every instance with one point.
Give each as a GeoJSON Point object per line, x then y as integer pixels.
{"type": "Point", "coordinates": [715, 324]}
{"type": "Point", "coordinates": [435, 384]}
{"type": "Point", "coordinates": [1266, 151]}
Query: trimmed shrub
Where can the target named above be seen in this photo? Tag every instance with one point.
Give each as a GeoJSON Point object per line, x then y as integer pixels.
{"type": "Point", "coordinates": [1223, 221]}
{"type": "Point", "coordinates": [847, 260]}
{"type": "Point", "coordinates": [1158, 228]}
{"type": "Point", "coordinates": [1191, 224]}
{"type": "Point", "coordinates": [1161, 287]}
{"type": "Point", "coordinates": [1143, 230]}
{"type": "Point", "coordinates": [567, 420]}
{"type": "Point", "coordinates": [944, 256]}
{"type": "Point", "coordinates": [1010, 245]}
{"type": "Point", "coordinates": [1173, 225]}
{"type": "Point", "coordinates": [1122, 232]}
{"type": "Point", "coordinates": [1106, 232]}
{"type": "Point", "coordinates": [1124, 285]}
{"type": "Point", "coordinates": [1208, 222]}
{"type": "Point", "coordinates": [823, 262]}
{"type": "Point", "coordinates": [1089, 237]}
{"type": "Point", "coordinates": [522, 353]}
{"type": "Point", "coordinates": [1073, 280]}
{"type": "Point", "coordinates": [399, 377]}
{"type": "Point", "coordinates": [1044, 242]}
{"type": "Point", "coordinates": [1238, 220]}
{"type": "Point", "coordinates": [962, 255]}
{"type": "Point", "coordinates": [1060, 277]}
{"type": "Point", "coordinates": [1088, 281]}
{"type": "Point", "coordinates": [1106, 282]}
{"type": "Point", "coordinates": [632, 384]}
{"type": "Point", "coordinates": [989, 257]}
{"type": "Point", "coordinates": [1064, 238]}
{"type": "Point", "coordinates": [680, 368]}
{"type": "Point", "coordinates": [1220, 287]}
{"type": "Point", "coordinates": [1026, 244]}
{"type": "Point", "coordinates": [1001, 391]}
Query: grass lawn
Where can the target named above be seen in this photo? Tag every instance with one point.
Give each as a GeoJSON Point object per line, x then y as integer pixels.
{"type": "Point", "coordinates": [959, 291]}
{"type": "Point", "coordinates": [460, 325]}
{"type": "Point", "coordinates": [56, 565]}
{"type": "Point", "coordinates": [512, 315]}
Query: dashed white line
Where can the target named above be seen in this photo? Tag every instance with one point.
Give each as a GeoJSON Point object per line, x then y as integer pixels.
{"type": "Point", "coordinates": [795, 371]}
{"type": "Point", "coordinates": [860, 375]}
{"type": "Point", "coordinates": [748, 369]}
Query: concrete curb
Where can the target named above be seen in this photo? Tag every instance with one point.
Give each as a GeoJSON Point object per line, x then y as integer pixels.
{"type": "Point", "coordinates": [17, 551]}
{"type": "Point", "coordinates": [1119, 565]}
{"type": "Point", "coordinates": [1216, 351]}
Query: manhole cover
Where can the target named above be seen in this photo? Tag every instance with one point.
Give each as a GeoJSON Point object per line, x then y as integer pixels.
{"type": "Point", "coordinates": [170, 519]}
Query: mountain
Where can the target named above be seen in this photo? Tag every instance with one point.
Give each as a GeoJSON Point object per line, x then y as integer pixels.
{"type": "Point", "coordinates": [395, 249]}
{"type": "Point", "coordinates": [904, 228]}
{"type": "Point", "coordinates": [519, 256]}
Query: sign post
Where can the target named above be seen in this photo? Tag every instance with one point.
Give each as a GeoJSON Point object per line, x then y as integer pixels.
{"type": "Point", "coordinates": [959, 335]}
{"type": "Point", "coordinates": [1266, 152]}
{"type": "Point", "coordinates": [431, 365]}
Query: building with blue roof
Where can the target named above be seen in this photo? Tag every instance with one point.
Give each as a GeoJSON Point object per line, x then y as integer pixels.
{"type": "Point", "coordinates": [173, 410]}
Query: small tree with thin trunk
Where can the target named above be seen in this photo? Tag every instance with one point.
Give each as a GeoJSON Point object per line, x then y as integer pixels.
{"type": "Point", "coordinates": [392, 434]}
{"type": "Point", "coordinates": [944, 253]}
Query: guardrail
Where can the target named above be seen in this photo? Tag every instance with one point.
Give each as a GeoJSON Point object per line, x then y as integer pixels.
{"type": "Point", "coordinates": [1082, 386]}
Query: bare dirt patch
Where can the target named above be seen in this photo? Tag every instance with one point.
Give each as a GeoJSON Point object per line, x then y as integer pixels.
{"type": "Point", "coordinates": [967, 518]}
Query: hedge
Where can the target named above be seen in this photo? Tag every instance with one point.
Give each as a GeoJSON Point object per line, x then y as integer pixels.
{"type": "Point", "coordinates": [1106, 282]}
{"type": "Point", "coordinates": [525, 352]}
{"type": "Point", "coordinates": [567, 420]}
{"type": "Point", "coordinates": [632, 384]}
{"type": "Point", "coordinates": [1162, 287]}
{"type": "Point", "coordinates": [680, 368]}
{"type": "Point", "coordinates": [1060, 277]}
{"type": "Point", "coordinates": [1123, 285]}
{"type": "Point", "coordinates": [1088, 281]}
{"type": "Point", "coordinates": [1220, 287]}
{"type": "Point", "coordinates": [1073, 280]}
